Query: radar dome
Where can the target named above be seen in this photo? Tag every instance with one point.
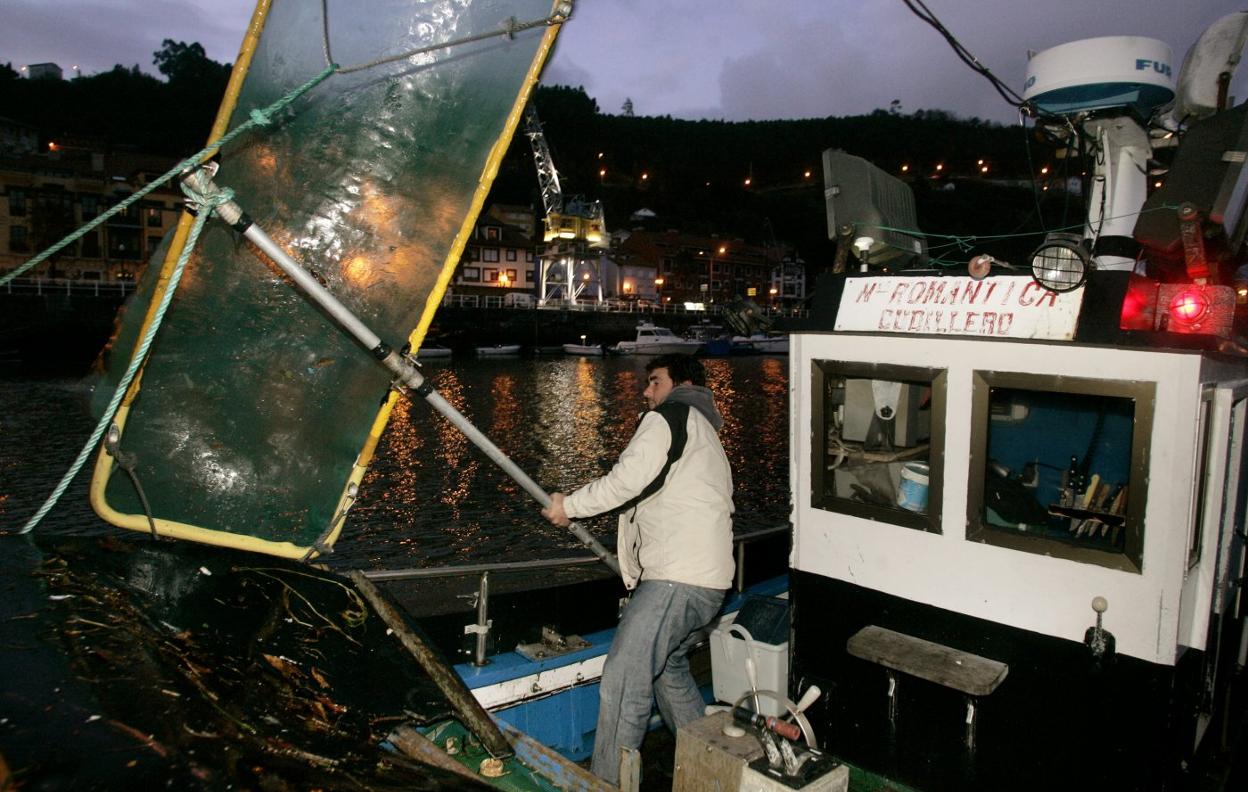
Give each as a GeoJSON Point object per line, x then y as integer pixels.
{"type": "Point", "coordinates": [1110, 72]}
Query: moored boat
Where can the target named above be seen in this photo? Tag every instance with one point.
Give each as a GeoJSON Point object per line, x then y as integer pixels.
{"type": "Point", "coordinates": [715, 341]}
{"type": "Point", "coordinates": [763, 344]}
{"type": "Point", "coordinates": [653, 340]}
{"type": "Point", "coordinates": [585, 349]}
{"type": "Point", "coordinates": [427, 351]}
{"type": "Point", "coordinates": [498, 350]}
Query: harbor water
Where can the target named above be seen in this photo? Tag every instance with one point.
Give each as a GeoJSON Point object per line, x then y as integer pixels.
{"type": "Point", "coordinates": [431, 498]}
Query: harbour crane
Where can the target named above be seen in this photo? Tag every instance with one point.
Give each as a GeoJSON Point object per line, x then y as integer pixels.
{"type": "Point", "coordinates": [573, 229]}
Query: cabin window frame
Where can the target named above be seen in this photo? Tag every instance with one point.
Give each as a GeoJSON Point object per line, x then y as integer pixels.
{"type": "Point", "coordinates": [1142, 393]}
{"type": "Point", "coordinates": [1200, 477]}
{"type": "Point", "coordinates": [935, 378]}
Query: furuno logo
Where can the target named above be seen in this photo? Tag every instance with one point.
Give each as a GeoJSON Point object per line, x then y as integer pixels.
{"type": "Point", "coordinates": [1142, 64]}
{"type": "Point", "coordinates": [1030, 82]}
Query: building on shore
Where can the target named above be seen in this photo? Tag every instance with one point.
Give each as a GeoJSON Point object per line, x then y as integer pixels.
{"type": "Point", "coordinates": [46, 194]}
{"type": "Point", "coordinates": [500, 260]}
{"type": "Point", "coordinates": [671, 266]}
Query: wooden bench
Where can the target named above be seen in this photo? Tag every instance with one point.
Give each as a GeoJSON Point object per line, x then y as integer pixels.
{"type": "Point", "coordinates": [967, 673]}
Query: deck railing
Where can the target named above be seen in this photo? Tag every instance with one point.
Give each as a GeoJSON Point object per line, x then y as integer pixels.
{"type": "Point", "coordinates": [482, 626]}
{"type": "Point", "coordinates": [605, 306]}
{"type": "Point", "coordinates": [58, 286]}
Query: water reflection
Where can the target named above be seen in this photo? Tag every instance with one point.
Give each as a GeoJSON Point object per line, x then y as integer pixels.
{"type": "Point", "coordinates": [430, 497]}
{"type": "Point", "coordinates": [564, 421]}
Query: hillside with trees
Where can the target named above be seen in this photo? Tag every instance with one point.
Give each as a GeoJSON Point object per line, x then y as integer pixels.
{"type": "Point", "coordinates": [691, 174]}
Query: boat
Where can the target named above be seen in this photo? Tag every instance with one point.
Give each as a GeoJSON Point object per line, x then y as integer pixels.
{"type": "Point", "coordinates": [653, 340]}
{"type": "Point", "coordinates": [498, 350]}
{"type": "Point", "coordinates": [428, 351]}
{"type": "Point", "coordinates": [255, 495]}
{"type": "Point", "coordinates": [946, 631]}
{"type": "Point", "coordinates": [763, 344]}
{"type": "Point", "coordinates": [532, 646]}
{"type": "Point", "coordinates": [715, 342]}
{"type": "Point", "coordinates": [1018, 499]}
{"type": "Point", "coordinates": [585, 349]}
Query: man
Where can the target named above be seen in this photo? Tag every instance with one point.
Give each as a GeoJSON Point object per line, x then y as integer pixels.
{"type": "Point", "coordinates": [675, 537]}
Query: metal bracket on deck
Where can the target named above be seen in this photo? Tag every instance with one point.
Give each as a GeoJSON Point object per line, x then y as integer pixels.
{"type": "Point", "coordinates": [552, 645]}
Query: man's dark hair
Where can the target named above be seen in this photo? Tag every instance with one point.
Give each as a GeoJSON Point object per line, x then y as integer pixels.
{"type": "Point", "coordinates": [681, 368]}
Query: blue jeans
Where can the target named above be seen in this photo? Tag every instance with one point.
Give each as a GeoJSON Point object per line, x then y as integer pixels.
{"type": "Point", "coordinates": [649, 661]}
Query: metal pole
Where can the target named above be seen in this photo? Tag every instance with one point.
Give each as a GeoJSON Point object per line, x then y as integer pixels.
{"type": "Point", "coordinates": [403, 368]}
{"type": "Point", "coordinates": [483, 623]}
{"type": "Point", "coordinates": [466, 705]}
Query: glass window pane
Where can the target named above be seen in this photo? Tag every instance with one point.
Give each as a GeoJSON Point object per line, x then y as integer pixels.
{"type": "Point", "coordinates": [874, 443]}
{"type": "Point", "coordinates": [1061, 467]}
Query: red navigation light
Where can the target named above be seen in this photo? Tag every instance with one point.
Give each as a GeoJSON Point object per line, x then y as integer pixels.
{"type": "Point", "coordinates": [1177, 308]}
{"type": "Point", "coordinates": [1202, 310]}
{"type": "Point", "coordinates": [1139, 304]}
{"type": "Point", "coordinates": [1189, 306]}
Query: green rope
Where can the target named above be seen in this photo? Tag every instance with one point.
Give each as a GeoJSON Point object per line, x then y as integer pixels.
{"type": "Point", "coordinates": [206, 206]}
{"type": "Point", "coordinates": [966, 243]}
{"type": "Point", "coordinates": [256, 118]}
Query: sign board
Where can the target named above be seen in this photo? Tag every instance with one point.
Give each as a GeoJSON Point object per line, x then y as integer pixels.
{"type": "Point", "coordinates": [751, 292]}
{"type": "Point", "coordinates": [1012, 306]}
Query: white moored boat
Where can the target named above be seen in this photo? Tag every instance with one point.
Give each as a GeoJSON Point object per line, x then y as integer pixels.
{"type": "Point", "coordinates": [763, 344]}
{"type": "Point", "coordinates": [433, 351]}
{"type": "Point", "coordinates": [585, 349]}
{"type": "Point", "coordinates": [652, 340]}
{"type": "Point", "coordinates": [498, 350]}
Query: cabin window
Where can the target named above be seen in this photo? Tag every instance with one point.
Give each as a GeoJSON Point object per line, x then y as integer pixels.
{"type": "Point", "coordinates": [489, 254]}
{"type": "Point", "coordinates": [511, 254]}
{"type": "Point", "coordinates": [472, 274]}
{"type": "Point", "coordinates": [877, 449]}
{"type": "Point", "coordinates": [491, 232]}
{"type": "Point", "coordinates": [1059, 466]}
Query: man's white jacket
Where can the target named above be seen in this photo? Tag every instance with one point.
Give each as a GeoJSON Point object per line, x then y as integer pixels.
{"type": "Point", "coordinates": [683, 532]}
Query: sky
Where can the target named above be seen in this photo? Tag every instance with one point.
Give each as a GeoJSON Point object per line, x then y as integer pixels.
{"type": "Point", "coordinates": [721, 59]}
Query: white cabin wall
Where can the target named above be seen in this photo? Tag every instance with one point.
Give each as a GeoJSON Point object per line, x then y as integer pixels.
{"type": "Point", "coordinates": [1025, 590]}
{"type": "Point", "coordinates": [1201, 595]}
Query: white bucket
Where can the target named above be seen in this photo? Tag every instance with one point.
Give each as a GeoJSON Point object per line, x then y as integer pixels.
{"type": "Point", "coordinates": [912, 489]}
